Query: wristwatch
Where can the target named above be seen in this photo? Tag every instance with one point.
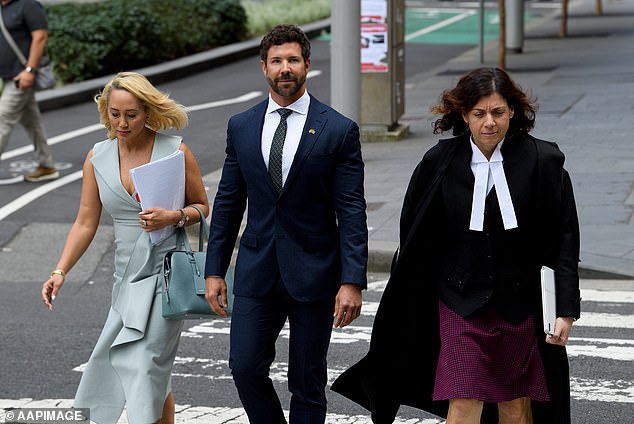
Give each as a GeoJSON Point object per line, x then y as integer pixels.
{"type": "Point", "coordinates": [183, 220]}
{"type": "Point", "coordinates": [30, 69]}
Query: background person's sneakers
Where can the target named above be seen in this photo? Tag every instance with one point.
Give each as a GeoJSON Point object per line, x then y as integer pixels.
{"type": "Point", "coordinates": [42, 173]}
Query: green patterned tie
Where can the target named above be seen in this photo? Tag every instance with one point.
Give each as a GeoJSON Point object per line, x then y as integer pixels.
{"type": "Point", "coordinates": [277, 146]}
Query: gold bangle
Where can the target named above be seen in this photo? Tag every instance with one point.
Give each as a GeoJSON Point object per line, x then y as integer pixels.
{"type": "Point", "coordinates": [59, 272]}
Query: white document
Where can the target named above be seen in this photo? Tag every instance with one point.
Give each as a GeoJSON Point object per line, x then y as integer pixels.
{"type": "Point", "coordinates": [549, 300]}
{"type": "Point", "coordinates": [161, 184]}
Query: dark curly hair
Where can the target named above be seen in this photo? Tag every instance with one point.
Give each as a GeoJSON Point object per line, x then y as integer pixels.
{"type": "Point", "coordinates": [282, 34]}
{"type": "Point", "coordinates": [472, 87]}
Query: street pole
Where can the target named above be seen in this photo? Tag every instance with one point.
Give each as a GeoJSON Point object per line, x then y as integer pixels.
{"type": "Point", "coordinates": [481, 32]}
{"type": "Point", "coordinates": [514, 26]}
{"type": "Point", "coordinates": [563, 30]}
{"type": "Point", "coordinates": [502, 37]}
{"type": "Point", "coordinates": [345, 67]}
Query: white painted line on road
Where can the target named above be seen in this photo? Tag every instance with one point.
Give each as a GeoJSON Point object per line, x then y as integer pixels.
{"type": "Point", "coordinates": [54, 140]}
{"type": "Point", "coordinates": [346, 335]}
{"type": "Point", "coordinates": [240, 99]}
{"type": "Point", "coordinates": [36, 193]}
{"type": "Point", "coordinates": [602, 390]}
{"type": "Point", "coordinates": [377, 286]}
{"type": "Point", "coordinates": [614, 296]}
{"type": "Point", "coordinates": [439, 25]}
{"type": "Point", "coordinates": [606, 341]}
{"type": "Point", "coordinates": [12, 180]}
{"type": "Point", "coordinates": [600, 319]}
{"type": "Point", "coordinates": [614, 349]}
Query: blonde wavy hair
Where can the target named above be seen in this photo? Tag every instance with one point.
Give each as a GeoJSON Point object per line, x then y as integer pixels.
{"type": "Point", "coordinates": [162, 112]}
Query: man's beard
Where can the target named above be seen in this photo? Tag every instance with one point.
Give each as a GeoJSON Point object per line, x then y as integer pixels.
{"type": "Point", "coordinates": [292, 84]}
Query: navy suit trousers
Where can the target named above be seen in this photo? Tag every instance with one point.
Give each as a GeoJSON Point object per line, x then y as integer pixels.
{"type": "Point", "coordinates": [255, 326]}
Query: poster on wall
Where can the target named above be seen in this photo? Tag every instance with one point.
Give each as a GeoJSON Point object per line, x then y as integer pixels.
{"type": "Point", "coordinates": [374, 30]}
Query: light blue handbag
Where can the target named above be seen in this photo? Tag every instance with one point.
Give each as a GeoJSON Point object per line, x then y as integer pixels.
{"type": "Point", "coordinates": [183, 275]}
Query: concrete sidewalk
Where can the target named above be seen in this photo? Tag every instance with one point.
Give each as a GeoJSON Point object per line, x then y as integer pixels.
{"type": "Point", "coordinates": [585, 88]}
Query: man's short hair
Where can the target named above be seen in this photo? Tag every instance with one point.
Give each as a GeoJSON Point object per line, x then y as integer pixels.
{"type": "Point", "coordinates": [282, 34]}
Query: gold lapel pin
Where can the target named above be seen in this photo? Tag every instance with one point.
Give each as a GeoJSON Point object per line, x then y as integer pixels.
{"type": "Point", "coordinates": [311, 131]}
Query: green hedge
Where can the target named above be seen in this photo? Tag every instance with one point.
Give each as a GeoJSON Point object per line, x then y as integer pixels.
{"type": "Point", "coordinates": [264, 15]}
{"type": "Point", "coordinates": [88, 40]}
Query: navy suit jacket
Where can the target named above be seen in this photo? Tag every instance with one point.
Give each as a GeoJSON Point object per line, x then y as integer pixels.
{"type": "Point", "coordinates": [313, 235]}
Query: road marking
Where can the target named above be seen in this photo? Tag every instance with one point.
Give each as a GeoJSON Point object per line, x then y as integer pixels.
{"type": "Point", "coordinates": [12, 180]}
{"type": "Point", "coordinates": [614, 349]}
{"type": "Point", "coordinates": [440, 24]}
{"type": "Point", "coordinates": [54, 140]}
{"type": "Point", "coordinates": [219, 103]}
{"type": "Point", "coordinates": [620, 391]}
{"type": "Point", "coordinates": [600, 319]}
{"type": "Point", "coordinates": [346, 335]}
{"type": "Point", "coordinates": [613, 296]}
{"type": "Point", "coordinates": [36, 193]}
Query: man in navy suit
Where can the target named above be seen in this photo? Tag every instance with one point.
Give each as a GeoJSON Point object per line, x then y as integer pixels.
{"type": "Point", "coordinates": [303, 253]}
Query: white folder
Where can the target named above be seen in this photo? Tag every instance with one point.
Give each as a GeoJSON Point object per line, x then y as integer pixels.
{"type": "Point", "coordinates": [161, 183]}
{"type": "Point", "coordinates": [549, 299]}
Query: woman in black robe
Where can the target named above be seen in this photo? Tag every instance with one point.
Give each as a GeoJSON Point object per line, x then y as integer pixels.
{"type": "Point", "coordinates": [459, 327]}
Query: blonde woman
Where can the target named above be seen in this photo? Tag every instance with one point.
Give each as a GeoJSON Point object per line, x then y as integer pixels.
{"type": "Point", "coordinates": [132, 361]}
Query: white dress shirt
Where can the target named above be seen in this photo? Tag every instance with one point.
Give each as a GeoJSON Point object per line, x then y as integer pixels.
{"type": "Point", "coordinates": [295, 125]}
{"type": "Point", "coordinates": [487, 174]}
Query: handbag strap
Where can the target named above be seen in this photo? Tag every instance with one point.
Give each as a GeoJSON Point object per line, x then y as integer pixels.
{"type": "Point", "coordinates": [11, 42]}
{"type": "Point", "coordinates": [203, 231]}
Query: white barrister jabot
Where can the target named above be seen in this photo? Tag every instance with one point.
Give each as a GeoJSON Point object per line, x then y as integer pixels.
{"type": "Point", "coordinates": [487, 174]}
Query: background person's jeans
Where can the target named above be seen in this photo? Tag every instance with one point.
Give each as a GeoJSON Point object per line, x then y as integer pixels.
{"type": "Point", "coordinates": [19, 106]}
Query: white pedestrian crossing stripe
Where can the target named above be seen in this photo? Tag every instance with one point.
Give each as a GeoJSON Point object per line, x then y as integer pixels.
{"type": "Point", "coordinates": [614, 349]}
{"type": "Point", "coordinates": [602, 390]}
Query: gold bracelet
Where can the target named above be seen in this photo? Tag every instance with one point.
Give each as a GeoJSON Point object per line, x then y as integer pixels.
{"type": "Point", "coordinates": [59, 272]}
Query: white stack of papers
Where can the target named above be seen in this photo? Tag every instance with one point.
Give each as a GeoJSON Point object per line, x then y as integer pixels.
{"type": "Point", "coordinates": [161, 184]}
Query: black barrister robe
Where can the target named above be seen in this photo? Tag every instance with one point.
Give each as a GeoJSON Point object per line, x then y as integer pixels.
{"type": "Point", "coordinates": [400, 366]}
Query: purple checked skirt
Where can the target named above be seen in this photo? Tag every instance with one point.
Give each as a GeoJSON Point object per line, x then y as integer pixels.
{"type": "Point", "coordinates": [487, 358]}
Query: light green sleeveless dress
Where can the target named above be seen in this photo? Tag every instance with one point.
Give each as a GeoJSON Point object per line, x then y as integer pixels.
{"type": "Point", "coordinates": [132, 360]}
